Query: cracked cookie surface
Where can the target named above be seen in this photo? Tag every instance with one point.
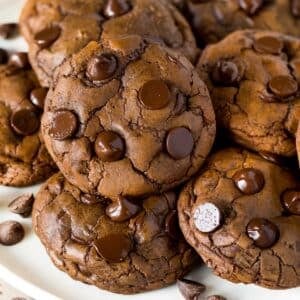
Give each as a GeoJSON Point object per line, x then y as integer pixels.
{"type": "Point", "coordinates": [254, 77]}
{"type": "Point", "coordinates": [123, 253]}
{"type": "Point", "coordinates": [57, 29]}
{"type": "Point", "coordinates": [128, 118]}
{"type": "Point", "coordinates": [242, 215]}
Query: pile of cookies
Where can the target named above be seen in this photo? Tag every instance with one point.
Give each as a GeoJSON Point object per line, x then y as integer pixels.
{"type": "Point", "coordinates": [156, 112]}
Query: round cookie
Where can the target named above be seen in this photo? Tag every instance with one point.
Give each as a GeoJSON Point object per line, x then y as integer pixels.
{"type": "Point", "coordinates": [124, 248]}
{"type": "Point", "coordinates": [242, 215]}
{"type": "Point", "coordinates": [24, 159]}
{"type": "Point", "coordinates": [57, 29]}
{"type": "Point", "coordinates": [128, 118]}
{"type": "Point", "coordinates": [254, 77]}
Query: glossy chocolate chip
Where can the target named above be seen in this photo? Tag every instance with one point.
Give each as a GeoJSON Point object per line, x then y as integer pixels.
{"type": "Point", "coordinates": [225, 73]}
{"type": "Point", "coordinates": [122, 210]}
{"type": "Point", "coordinates": [19, 60]}
{"type": "Point", "coordinates": [190, 290]}
{"type": "Point", "coordinates": [101, 67]}
{"type": "Point", "coordinates": [274, 158]}
{"type": "Point", "coordinates": [38, 96]}
{"type": "Point", "coordinates": [46, 37]}
{"type": "Point", "coordinates": [22, 205]}
{"type": "Point", "coordinates": [207, 217]}
{"type": "Point", "coordinates": [8, 30]}
{"type": "Point", "coordinates": [155, 94]}
{"type": "Point", "coordinates": [295, 8]}
{"type": "Point", "coordinates": [25, 122]}
{"type": "Point", "coordinates": [3, 56]}
{"type": "Point", "coordinates": [291, 201]}
{"type": "Point", "coordinates": [113, 247]}
{"type": "Point", "coordinates": [268, 44]}
{"type": "Point", "coordinates": [263, 232]}
{"type": "Point", "coordinates": [11, 233]}
{"type": "Point", "coordinates": [90, 199]}
{"type": "Point", "coordinates": [63, 125]}
{"type": "Point", "coordinates": [172, 225]}
{"type": "Point", "coordinates": [179, 142]}
{"type": "Point", "coordinates": [249, 180]}
{"type": "Point", "coordinates": [115, 8]}
{"type": "Point", "coordinates": [251, 7]}
{"type": "Point", "coordinates": [109, 146]}
{"type": "Point", "coordinates": [283, 86]}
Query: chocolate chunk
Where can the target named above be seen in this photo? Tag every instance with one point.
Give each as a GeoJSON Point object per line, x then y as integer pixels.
{"type": "Point", "coordinates": [172, 225]}
{"type": "Point", "coordinates": [225, 73]}
{"type": "Point", "coordinates": [101, 67]}
{"type": "Point", "coordinates": [25, 122]}
{"type": "Point", "coordinates": [263, 232]}
{"type": "Point", "coordinates": [46, 37]}
{"type": "Point", "coordinates": [8, 30]}
{"type": "Point", "coordinates": [251, 7]}
{"type": "Point", "coordinates": [19, 60]}
{"type": "Point", "coordinates": [3, 56]}
{"type": "Point", "coordinates": [249, 180]}
{"type": "Point", "coordinates": [113, 247]}
{"type": "Point", "coordinates": [109, 146]}
{"type": "Point", "coordinates": [295, 8]}
{"type": "Point", "coordinates": [207, 217]}
{"type": "Point", "coordinates": [190, 290]}
{"type": "Point", "coordinates": [22, 205]}
{"type": "Point", "coordinates": [276, 159]}
{"type": "Point", "coordinates": [115, 8]}
{"type": "Point", "coordinates": [291, 201]}
{"type": "Point", "coordinates": [215, 297]}
{"type": "Point", "coordinates": [155, 94]}
{"type": "Point", "coordinates": [11, 233]}
{"type": "Point", "coordinates": [64, 125]}
{"type": "Point", "coordinates": [283, 86]}
{"type": "Point", "coordinates": [38, 96]}
{"type": "Point", "coordinates": [90, 199]}
{"type": "Point", "coordinates": [179, 142]}
{"type": "Point", "coordinates": [268, 44]}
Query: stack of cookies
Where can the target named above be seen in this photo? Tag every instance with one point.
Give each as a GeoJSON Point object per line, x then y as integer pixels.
{"type": "Point", "coordinates": [130, 94]}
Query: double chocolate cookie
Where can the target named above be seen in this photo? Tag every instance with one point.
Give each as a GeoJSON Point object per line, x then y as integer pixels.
{"type": "Point", "coordinates": [254, 77]}
{"type": "Point", "coordinates": [242, 215]}
{"type": "Point", "coordinates": [56, 29]}
{"type": "Point", "coordinates": [122, 247]}
{"type": "Point", "coordinates": [128, 118]}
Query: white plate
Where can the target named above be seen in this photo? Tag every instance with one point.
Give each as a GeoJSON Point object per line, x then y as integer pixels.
{"type": "Point", "coordinates": [27, 267]}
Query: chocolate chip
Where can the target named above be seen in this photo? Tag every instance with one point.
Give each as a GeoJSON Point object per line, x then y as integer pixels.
{"type": "Point", "coordinates": [283, 86]}
{"type": "Point", "coordinates": [155, 94]}
{"type": "Point", "coordinates": [113, 247]}
{"type": "Point", "coordinates": [172, 225]}
{"type": "Point", "coordinates": [19, 60]}
{"type": "Point", "coordinates": [291, 201]}
{"type": "Point", "coordinates": [38, 96]}
{"type": "Point", "coordinates": [207, 217]}
{"type": "Point", "coordinates": [225, 73]}
{"type": "Point", "coordinates": [109, 146]}
{"type": "Point", "coordinates": [249, 180]}
{"type": "Point", "coordinates": [90, 199]}
{"type": "Point", "coordinates": [3, 56]}
{"type": "Point", "coordinates": [8, 30]}
{"type": "Point", "coordinates": [22, 205]}
{"type": "Point", "coordinates": [179, 142]}
{"type": "Point", "coordinates": [11, 233]}
{"type": "Point", "coordinates": [251, 7]}
{"type": "Point", "coordinates": [274, 158]}
{"type": "Point", "coordinates": [46, 37]}
{"type": "Point", "coordinates": [263, 232]}
{"type": "Point", "coordinates": [101, 67]}
{"type": "Point", "coordinates": [115, 8]}
{"type": "Point", "coordinates": [64, 125]}
{"type": "Point", "coordinates": [268, 44]}
{"type": "Point", "coordinates": [122, 210]}
{"type": "Point", "coordinates": [25, 122]}
{"type": "Point", "coordinates": [190, 290]}
{"type": "Point", "coordinates": [295, 8]}
{"type": "Point", "coordinates": [215, 297]}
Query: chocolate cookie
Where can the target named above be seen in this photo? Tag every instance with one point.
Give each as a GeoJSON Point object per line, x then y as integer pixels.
{"type": "Point", "coordinates": [56, 29]}
{"type": "Point", "coordinates": [242, 215]}
{"type": "Point", "coordinates": [214, 19]}
{"type": "Point", "coordinates": [24, 159]}
{"type": "Point", "coordinates": [254, 77]}
{"type": "Point", "coordinates": [128, 118]}
{"type": "Point", "coordinates": [122, 247]}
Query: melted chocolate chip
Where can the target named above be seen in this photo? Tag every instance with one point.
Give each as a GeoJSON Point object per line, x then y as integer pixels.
{"type": "Point", "coordinates": [251, 7]}
{"type": "Point", "coordinates": [283, 86]}
{"type": "Point", "coordinates": [291, 201]}
{"type": "Point", "coordinates": [8, 30]}
{"type": "Point", "coordinates": [249, 180]}
{"type": "Point", "coordinates": [225, 73]}
{"type": "Point", "coordinates": [276, 159]}
{"type": "Point", "coordinates": [113, 247]}
{"type": "Point", "coordinates": [3, 56]}
{"type": "Point", "coordinates": [22, 205]}
{"type": "Point", "coordinates": [19, 60]}
{"type": "Point", "coordinates": [263, 232]}
{"type": "Point", "coordinates": [46, 37]}
{"type": "Point", "coordinates": [11, 233]}
{"type": "Point", "coordinates": [25, 122]}
{"type": "Point", "coordinates": [90, 199]}
{"type": "Point", "coordinates": [268, 44]}
{"type": "Point", "coordinates": [172, 225]}
{"type": "Point", "coordinates": [295, 8]}
{"type": "Point", "coordinates": [38, 96]}
{"type": "Point", "coordinates": [190, 289]}
{"type": "Point", "coordinates": [115, 8]}
{"type": "Point", "coordinates": [179, 142]}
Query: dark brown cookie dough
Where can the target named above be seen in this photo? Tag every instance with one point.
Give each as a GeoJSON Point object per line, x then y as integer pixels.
{"type": "Point", "coordinates": [136, 250]}
{"type": "Point", "coordinates": [242, 215]}
{"type": "Point", "coordinates": [128, 118]}
{"type": "Point", "coordinates": [56, 29]}
{"type": "Point", "coordinates": [254, 77]}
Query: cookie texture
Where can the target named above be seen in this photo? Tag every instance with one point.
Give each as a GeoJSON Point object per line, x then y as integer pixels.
{"type": "Point", "coordinates": [128, 118]}
{"type": "Point", "coordinates": [253, 77]}
{"type": "Point", "coordinates": [242, 216]}
{"type": "Point", "coordinates": [145, 251]}
{"type": "Point", "coordinates": [57, 29]}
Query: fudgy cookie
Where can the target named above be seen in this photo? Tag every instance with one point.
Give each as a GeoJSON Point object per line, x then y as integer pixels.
{"type": "Point", "coordinates": [56, 29]}
{"type": "Point", "coordinates": [254, 77]}
{"type": "Point", "coordinates": [242, 215]}
{"type": "Point", "coordinates": [128, 118]}
{"type": "Point", "coordinates": [122, 247]}
{"type": "Point", "coordinates": [214, 19]}
{"type": "Point", "coordinates": [24, 159]}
